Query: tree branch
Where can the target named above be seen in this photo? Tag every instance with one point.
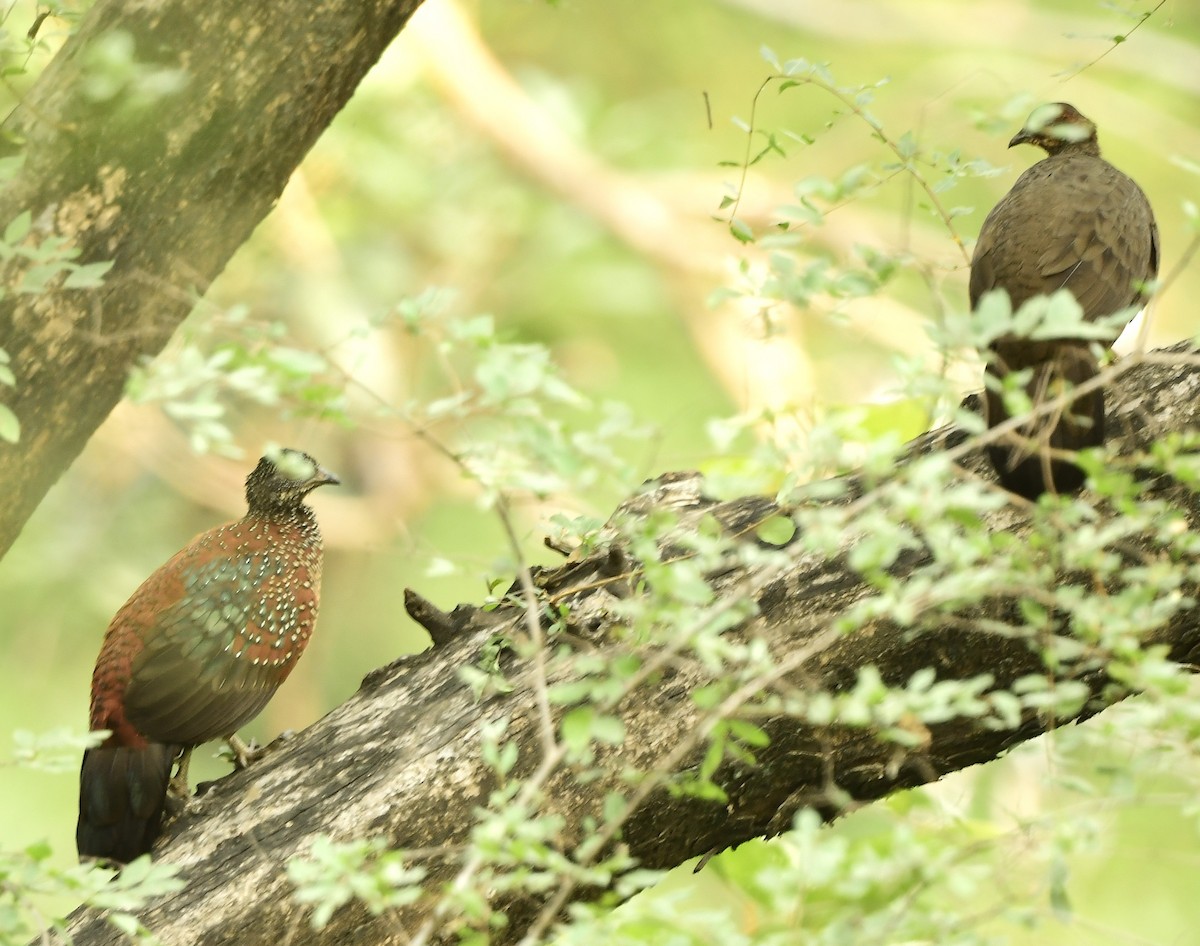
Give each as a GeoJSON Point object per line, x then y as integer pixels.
{"type": "Point", "coordinates": [401, 759]}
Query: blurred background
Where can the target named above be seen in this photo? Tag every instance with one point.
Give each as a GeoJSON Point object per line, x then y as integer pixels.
{"type": "Point", "coordinates": [563, 167]}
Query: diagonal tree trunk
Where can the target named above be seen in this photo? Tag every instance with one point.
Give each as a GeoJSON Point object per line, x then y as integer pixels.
{"type": "Point", "coordinates": [246, 89]}
{"type": "Point", "coordinates": [401, 759]}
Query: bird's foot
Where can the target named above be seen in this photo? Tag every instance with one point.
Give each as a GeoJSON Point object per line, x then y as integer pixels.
{"type": "Point", "coordinates": [177, 788]}
{"type": "Point", "coordinates": [244, 754]}
{"type": "Point", "coordinates": [178, 791]}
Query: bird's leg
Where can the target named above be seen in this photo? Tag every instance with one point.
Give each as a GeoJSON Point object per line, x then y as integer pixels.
{"type": "Point", "coordinates": [178, 786]}
{"type": "Point", "coordinates": [243, 754]}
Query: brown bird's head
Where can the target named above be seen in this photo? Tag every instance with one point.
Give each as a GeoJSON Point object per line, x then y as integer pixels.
{"type": "Point", "coordinates": [1058, 127]}
{"type": "Point", "coordinates": [282, 479]}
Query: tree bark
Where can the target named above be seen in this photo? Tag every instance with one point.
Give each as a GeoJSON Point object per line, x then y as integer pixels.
{"type": "Point", "coordinates": [166, 184]}
{"type": "Point", "coordinates": [401, 759]}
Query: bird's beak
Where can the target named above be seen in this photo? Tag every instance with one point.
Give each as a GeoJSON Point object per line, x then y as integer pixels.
{"type": "Point", "coordinates": [322, 478]}
{"type": "Point", "coordinates": [1021, 137]}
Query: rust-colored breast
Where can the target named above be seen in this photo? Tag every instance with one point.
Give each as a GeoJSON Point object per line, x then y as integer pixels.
{"type": "Point", "coordinates": [202, 645]}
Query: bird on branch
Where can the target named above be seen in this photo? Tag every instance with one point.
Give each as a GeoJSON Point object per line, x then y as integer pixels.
{"type": "Point", "coordinates": [197, 652]}
{"type": "Point", "coordinates": [1072, 221]}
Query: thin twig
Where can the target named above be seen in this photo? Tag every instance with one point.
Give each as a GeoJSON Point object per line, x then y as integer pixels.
{"type": "Point", "coordinates": [533, 622]}
{"type": "Point", "coordinates": [1117, 41]}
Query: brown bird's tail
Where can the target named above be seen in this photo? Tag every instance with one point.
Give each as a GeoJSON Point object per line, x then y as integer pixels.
{"type": "Point", "coordinates": [122, 796]}
{"type": "Point", "coordinates": [1029, 461]}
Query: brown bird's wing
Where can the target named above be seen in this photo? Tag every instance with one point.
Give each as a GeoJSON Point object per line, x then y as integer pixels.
{"type": "Point", "coordinates": [1075, 222]}
{"type": "Point", "coordinates": [214, 657]}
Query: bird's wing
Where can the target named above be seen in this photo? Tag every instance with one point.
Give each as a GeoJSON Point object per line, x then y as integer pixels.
{"type": "Point", "coordinates": [1078, 224]}
{"type": "Point", "coordinates": [214, 656]}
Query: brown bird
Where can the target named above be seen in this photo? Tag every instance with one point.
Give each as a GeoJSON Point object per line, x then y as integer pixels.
{"type": "Point", "coordinates": [197, 652]}
{"type": "Point", "coordinates": [1071, 221]}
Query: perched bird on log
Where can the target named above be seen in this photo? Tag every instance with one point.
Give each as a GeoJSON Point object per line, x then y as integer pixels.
{"type": "Point", "coordinates": [1071, 221]}
{"type": "Point", "coordinates": [197, 652]}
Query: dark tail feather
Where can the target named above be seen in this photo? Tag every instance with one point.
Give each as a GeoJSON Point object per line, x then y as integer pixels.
{"type": "Point", "coordinates": [122, 795]}
{"type": "Point", "coordinates": [1026, 462]}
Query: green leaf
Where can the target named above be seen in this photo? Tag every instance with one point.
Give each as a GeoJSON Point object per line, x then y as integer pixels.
{"type": "Point", "coordinates": [1060, 900]}
{"type": "Point", "coordinates": [608, 729]}
{"type": "Point", "coordinates": [88, 276]}
{"type": "Point", "coordinates": [570, 691]}
{"type": "Point", "coordinates": [37, 278]}
{"type": "Point", "coordinates": [740, 231]}
{"type": "Point", "coordinates": [707, 697]}
{"type": "Point", "coordinates": [778, 530]}
{"type": "Point", "coordinates": [748, 733]}
{"type": "Point", "coordinates": [577, 728]}
{"type": "Point", "coordinates": [296, 361]}
{"type": "Point", "coordinates": [715, 751]}
{"type": "Point", "coordinates": [126, 923]}
{"type": "Point", "coordinates": [18, 228]}
{"type": "Point", "coordinates": [10, 427]}
{"type": "Point", "coordinates": [9, 166]}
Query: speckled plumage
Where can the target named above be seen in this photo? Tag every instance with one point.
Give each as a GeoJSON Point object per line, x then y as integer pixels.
{"type": "Point", "coordinates": [1070, 221]}
{"type": "Point", "coordinates": [197, 652]}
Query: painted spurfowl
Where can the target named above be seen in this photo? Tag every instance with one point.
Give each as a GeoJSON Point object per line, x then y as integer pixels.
{"type": "Point", "coordinates": [1071, 221]}
{"type": "Point", "coordinates": [197, 652]}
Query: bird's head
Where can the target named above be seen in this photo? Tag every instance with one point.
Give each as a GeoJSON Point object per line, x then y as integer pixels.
{"type": "Point", "coordinates": [282, 479]}
{"type": "Point", "coordinates": [1057, 127]}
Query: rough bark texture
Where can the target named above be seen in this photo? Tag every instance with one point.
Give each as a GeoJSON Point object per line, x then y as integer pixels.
{"type": "Point", "coordinates": [169, 199]}
{"type": "Point", "coordinates": [401, 758]}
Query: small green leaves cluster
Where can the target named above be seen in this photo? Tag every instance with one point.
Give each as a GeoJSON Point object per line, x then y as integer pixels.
{"type": "Point", "coordinates": [55, 751]}
{"type": "Point", "coordinates": [1054, 316]}
{"type": "Point", "coordinates": [332, 874]}
{"type": "Point", "coordinates": [903, 875]}
{"type": "Point", "coordinates": [485, 677]}
{"type": "Point", "coordinates": [520, 428]}
{"type": "Point", "coordinates": [817, 196]}
{"type": "Point", "coordinates": [501, 409]}
{"type": "Point", "coordinates": [40, 263]}
{"type": "Point", "coordinates": [19, 49]}
{"type": "Point", "coordinates": [36, 267]}
{"type": "Point", "coordinates": [29, 877]}
{"type": "Point", "coordinates": [231, 360]}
